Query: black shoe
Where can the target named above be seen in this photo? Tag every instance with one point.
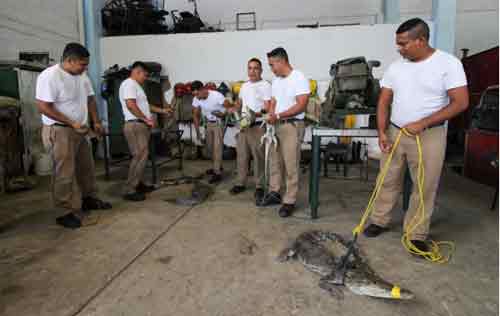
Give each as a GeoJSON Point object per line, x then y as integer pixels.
{"type": "Point", "coordinates": [237, 189]}
{"type": "Point", "coordinates": [211, 172]}
{"type": "Point", "coordinates": [374, 230]}
{"type": "Point", "coordinates": [69, 220]}
{"type": "Point", "coordinates": [144, 188]}
{"type": "Point", "coordinates": [420, 245]}
{"type": "Point", "coordinates": [259, 195]}
{"type": "Point", "coordinates": [216, 178]}
{"type": "Point", "coordinates": [91, 203]}
{"type": "Point", "coordinates": [135, 197]}
{"type": "Point", "coordinates": [272, 198]}
{"type": "Point", "coordinates": [286, 210]}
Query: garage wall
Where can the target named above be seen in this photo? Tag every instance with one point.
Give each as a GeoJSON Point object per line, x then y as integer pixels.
{"type": "Point", "coordinates": [35, 25]}
{"type": "Point", "coordinates": [477, 21]}
{"type": "Point", "coordinates": [223, 56]}
{"type": "Point", "coordinates": [283, 14]}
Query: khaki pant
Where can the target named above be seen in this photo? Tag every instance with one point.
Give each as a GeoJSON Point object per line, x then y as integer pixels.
{"type": "Point", "coordinates": [73, 175]}
{"type": "Point", "coordinates": [290, 136]}
{"type": "Point", "coordinates": [137, 135]}
{"type": "Point", "coordinates": [433, 147]}
{"type": "Point", "coordinates": [249, 144]}
{"type": "Point", "coordinates": [215, 143]}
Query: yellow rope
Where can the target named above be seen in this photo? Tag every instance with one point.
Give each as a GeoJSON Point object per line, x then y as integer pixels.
{"type": "Point", "coordinates": [435, 254]}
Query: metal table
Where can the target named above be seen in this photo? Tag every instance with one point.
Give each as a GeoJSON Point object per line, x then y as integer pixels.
{"type": "Point", "coordinates": [317, 134]}
{"type": "Point", "coordinates": [152, 153]}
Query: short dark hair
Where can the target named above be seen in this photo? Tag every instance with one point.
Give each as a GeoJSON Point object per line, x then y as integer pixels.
{"type": "Point", "coordinates": [75, 51]}
{"type": "Point", "coordinates": [255, 60]}
{"type": "Point", "coordinates": [279, 52]}
{"type": "Point", "coordinates": [140, 64]}
{"type": "Point", "coordinates": [415, 27]}
{"type": "Point", "coordinates": [196, 85]}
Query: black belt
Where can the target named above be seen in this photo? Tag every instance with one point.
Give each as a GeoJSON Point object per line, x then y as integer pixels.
{"type": "Point", "coordinates": [290, 120]}
{"type": "Point", "coordinates": [213, 122]}
{"type": "Point", "coordinates": [61, 125]}
{"type": "Point", "coordinates": [428, 127]}
{"type": "Point", "coordinates": [136, 121]}
{"type": "Point", "coordinates": [256, 124]}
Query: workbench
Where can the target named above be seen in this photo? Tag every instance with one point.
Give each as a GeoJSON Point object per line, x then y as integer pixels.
{"type": "Point", "coordinates": [317, 134]}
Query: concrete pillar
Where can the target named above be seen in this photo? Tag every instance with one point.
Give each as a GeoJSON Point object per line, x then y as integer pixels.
{"type": "Point", "coordinates": [93, 32]}
{"type": "Point", "coordinates": [444, 14]}
{"type": "Point", "coordinates": [392, 12]}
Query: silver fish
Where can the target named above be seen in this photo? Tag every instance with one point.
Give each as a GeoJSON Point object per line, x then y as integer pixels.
{"type": "Point", "coordinates": [309, 249]}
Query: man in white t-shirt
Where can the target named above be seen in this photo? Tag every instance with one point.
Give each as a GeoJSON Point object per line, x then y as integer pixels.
{"type": "Point", "coordinates": [254, 96]}
{"type": "Point", "coordinates": [212, 106]}
{"type": "Point", "coordinates": [426, 87]}
{"type": "Point", "coordinates": [65, 98]}
{"type": "Point", "coordinates": [137, 129]}
{"type": "Point", "coordinates": [290, 94]}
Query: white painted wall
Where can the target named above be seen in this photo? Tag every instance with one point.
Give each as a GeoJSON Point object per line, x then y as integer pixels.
{"type": "Point", "coordinates": [223, 56]}
{"type": "Point", "coordinates": [35, 25]}
{"type": "Point", "coordinates": [283, 14]}
{"type": "Point", "coordinates": [477, 21]}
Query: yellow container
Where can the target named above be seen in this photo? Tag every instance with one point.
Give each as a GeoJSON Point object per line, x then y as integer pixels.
{"type": "Point", "coordinates": [313, 86]}
{"type": "Point", "coordinates": [236, 87]}
{"type": "Point", "coordinates": [349, 122]}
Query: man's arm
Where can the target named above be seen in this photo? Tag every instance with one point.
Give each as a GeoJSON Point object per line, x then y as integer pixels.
{"type": "Point", "coordinates": [196, 121]}
{"type": "Point", "coordinates": [271, 106]}
{"type": "Point", "coordinates": [459, 101]}
{"type": "Point", "coordinates": [235, 106]}
{"type": "Point", "coordinates": [92, 108]}
{"type": "Point", "coordinates": [160, 110]}
{"type": "Point", "coordinates": [228, 104]}
{"type": "Point", "coordinates": [297, 108]}
{"type": "Point", "coordinates": [48, 109]}
{"type": "Point", "coordinates": [134, 109]}
{"type": "Point", "coordinates": [265, 108]}
{"type": "Point", "coordinates": [383, 106]}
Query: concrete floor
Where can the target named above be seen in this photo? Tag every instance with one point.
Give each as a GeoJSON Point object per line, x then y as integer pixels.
{"type": "Point", "coordinates": [156, 258]}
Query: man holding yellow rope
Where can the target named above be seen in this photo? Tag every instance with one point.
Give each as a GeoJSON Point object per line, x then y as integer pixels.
{"type": "Point", "coordinates": [421, 91]}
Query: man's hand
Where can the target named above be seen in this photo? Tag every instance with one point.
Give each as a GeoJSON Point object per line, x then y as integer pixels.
{"type": "Point", "coordinates": [149, 122]}
{"type": "Point", "coordinates": [415, 128]}
{"type": "Point", "coordinates": [232, 110]}
{"type": "Point", "coordinates": [272, 118]}
{"type": "Point", "coordinates": [98, 128]}
{"type": "Point", "coordinates": [167, 111]}
{"type": "Point", "coordinates": [384, 143]}
{"type": "Point", "coordinates": [79, 128]}
{"type": "Point", "coordinates": [219, 114]}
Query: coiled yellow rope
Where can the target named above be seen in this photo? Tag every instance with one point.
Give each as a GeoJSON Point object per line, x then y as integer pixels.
{"type": "Point", "coordinates": [434, 254]}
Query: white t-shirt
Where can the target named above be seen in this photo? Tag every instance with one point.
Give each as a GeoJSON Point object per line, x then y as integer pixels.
{"type": "Point", "coordinates": [286, 90]}
{"type": "Point", "coordinates": [67, 92]}
{"type": "Point", "coordinates": [253, 95]}
{"type": "Point", "coordinates": [214, 102]}
{"type": "Point", "coordinates": [130, 89]}
{"type": "Point", "coordinates": [420, 88]}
